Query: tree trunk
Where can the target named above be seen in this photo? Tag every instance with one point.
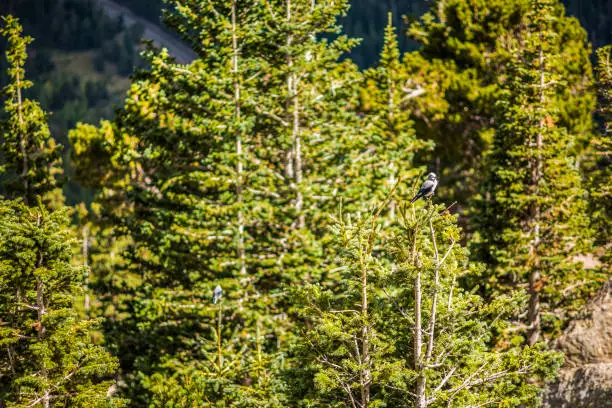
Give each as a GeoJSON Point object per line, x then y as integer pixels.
{"type": "Point", "coordinates": [365, 338]}
{"type": "Point", "coordinates": [533, 316]}
{"type": "Point", "coordinates": [239, 165]}
{"type": "Point", "coordinates": [87, 302]}
{"type": "Point", "coordinates": [23, 145]}
{"type": "Point", "coordinates": [40, 306]}
{"type": "Point", "coordinates": [295, 152]}
{"type": "Point", "coordinates": [421, 401]}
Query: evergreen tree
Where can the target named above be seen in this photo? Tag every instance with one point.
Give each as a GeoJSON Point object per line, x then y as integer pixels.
{"type": "Point", "coordinates": [386, 100]}
{"type": "Point", "coordinates": [48, 358]}
{"type": "Point", "coordinates": [31, 161]}
{"type": "Point", "coordinates": [470, 42]}
{"type": "Point", "coordinates": [601, 149]}
{"type": "Point", "coordinates": [532, 217]}
{"type": "Point", "coordinates": [400, 332]}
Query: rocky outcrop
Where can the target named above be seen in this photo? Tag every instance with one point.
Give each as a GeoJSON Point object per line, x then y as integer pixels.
{"type": "Point", "coordinates": [585, 381]}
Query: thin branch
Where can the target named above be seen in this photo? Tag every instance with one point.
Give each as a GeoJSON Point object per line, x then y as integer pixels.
{"type": "Point", "coordinates": [448, 208]}
{"type": "Point", "coordinates": [400, 309]}
{"type": "Point", "coordinates": [400, 389]}
{"type": "Point", "coordinates": [66, 378]}
{"type": "Point", "coordinates": [443, 382]}
{"type": "Point", "coordinates": [271, 115]}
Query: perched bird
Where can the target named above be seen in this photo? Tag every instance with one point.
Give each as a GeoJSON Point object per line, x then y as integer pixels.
{"type": "Point", "coordinates": [428, 187]}
{"type": "Point", "coordinates": [217, 294]}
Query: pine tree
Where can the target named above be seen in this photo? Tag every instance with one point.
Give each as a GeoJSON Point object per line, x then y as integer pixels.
{"type": "Point", "coordinates": [401, 332]}
{"type": "Point", "coordinates": [532, 218]}
{"type": "Point", "coordinates": [193, 196]}
{"type": "Point", "coordinates": [601, 148]}
{"type": "Point", "coordinates": [386, 101]}
{"type": "Point", "coordinates": [469, 42]}
{"type": "Point", "coordinates": [48, 358]}
{"type": "Point", "coordinates": [31, 163]}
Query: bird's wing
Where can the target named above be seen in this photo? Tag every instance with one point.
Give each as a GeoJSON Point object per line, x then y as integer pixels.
{"type": "Point", "coordinates": [427, 185]}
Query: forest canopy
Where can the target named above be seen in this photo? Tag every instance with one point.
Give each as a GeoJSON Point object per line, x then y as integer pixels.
{"type": "Point", "coordinates": [271, 225]}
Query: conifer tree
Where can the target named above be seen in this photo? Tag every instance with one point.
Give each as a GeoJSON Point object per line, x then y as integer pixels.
{"type": "Point", "coordinates": [386, 99]}
{"type": "Point", "coordinates": [189, 167]}
{"type": "Point", "coordinates": [469, 42]}
{"type": "Point", "coordinates": [401, 332]}
{"type": "Point", "coordinates": [30, 163]}
{"type": "Point", "coordinates": [48, 358]}
{"type": "Point", "coordinates": [532, 218]}
{"type": "Point", "coordinates": [601, 148]}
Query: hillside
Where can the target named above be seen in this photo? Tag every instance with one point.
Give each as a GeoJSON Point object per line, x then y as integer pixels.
{"type": "Point", "coordinates": [80, 62]}
{"type": "Point", "coordinates": [81, 66]}
{"type": "Point", "coordinates": [367, 19]}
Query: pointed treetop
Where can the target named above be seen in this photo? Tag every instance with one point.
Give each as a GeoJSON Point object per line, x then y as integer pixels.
{"type": "Point", "coordinates": [390, 55]}
{"type": "Point", "coordinates": [16, 53]}
{"type": "Point", "coordinates": [31, 163]}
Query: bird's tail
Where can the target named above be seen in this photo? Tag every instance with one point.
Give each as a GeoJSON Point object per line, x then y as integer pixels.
{"type": "Point", "coordinates": [416, 197]}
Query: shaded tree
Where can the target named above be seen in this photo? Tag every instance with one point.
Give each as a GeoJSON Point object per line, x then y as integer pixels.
{"type": "Point", "coordinates": [31, 163]}
{"type": "Point", "coordinates": [48, 358]}
{"type": "Point", "coordinates": [532, 216]}
{"type": "Point", "coordinates": [470, 42]}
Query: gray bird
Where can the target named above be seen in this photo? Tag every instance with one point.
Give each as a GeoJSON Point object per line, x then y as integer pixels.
{"type": "Point", "coordinates": [217, 294]}
{"type": "Point", "coordinates": [428, 187]}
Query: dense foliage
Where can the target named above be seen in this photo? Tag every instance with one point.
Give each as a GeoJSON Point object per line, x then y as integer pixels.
{"type": "Point", "coordinates": [532, 215]}
{"type": "Point", "coordinates": [251, 240]}
{"type": "Point", "coordinates": [367, 20]}
{"type": "Point", "coordinates": [48, 356]}
{"type": "Point", "coordinates": [30, 158]}
{"type": "Point", "coordinates": [400, 277]}
{"type": "Point", "coordinates": [601, 150]}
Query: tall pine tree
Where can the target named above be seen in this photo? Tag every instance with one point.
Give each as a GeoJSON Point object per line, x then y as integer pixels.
{"type": "Point", "coordinates": [532, 216]}
{"type": "Point", "coordinates": [401, 332]}
{"type": "Point", "coordinates": [48, 358]}
{"type": "Point", "coordinates": [212, 175]}
{"type": "Point", "coordinates": [470, 42]}
{"type": "Point", "coordinates": [30, 160]}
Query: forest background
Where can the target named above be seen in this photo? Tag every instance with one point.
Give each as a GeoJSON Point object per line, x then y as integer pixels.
{"type": "Point", "coordinates": [277, 166]}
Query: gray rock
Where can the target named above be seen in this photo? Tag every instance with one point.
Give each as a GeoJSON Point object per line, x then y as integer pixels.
{"type": "Point", "coordinates": [585, 381]}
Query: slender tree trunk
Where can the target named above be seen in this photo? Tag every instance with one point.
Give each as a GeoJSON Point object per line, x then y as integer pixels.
{"type": "Point", "coordinates": [23, 145]}
{"type": "Point", "coordinates": [299, 201]}
{"type": "Point", "coordinates": [40, 307]}
{"type": "Point", "coordinates": [533, 314]}
{"type": "Point", "coordinates": [295, 153]}
{"type": "Point", "coordinates": [87, 302]}
{"type": "Point", "coordinates": [219, 349]}
{"type": "Point", "coordinates": [239, 164]}
{"type": "Point", "coordinates": [434, 302]}
{"type": "Point", "coordinates": [421, 401]}
{"type": "Point", "coordinates": [390, 106]}
{"type": "Point", "coordinates": [365, 340]}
